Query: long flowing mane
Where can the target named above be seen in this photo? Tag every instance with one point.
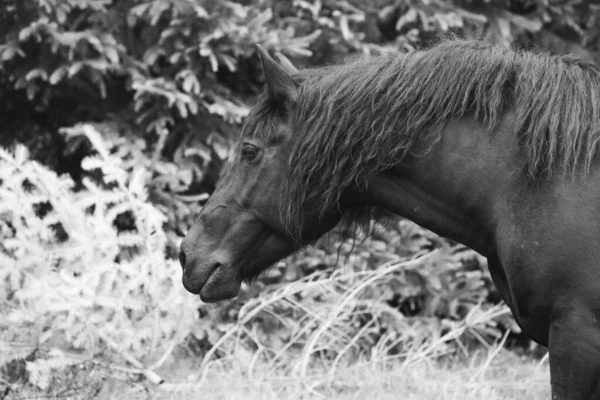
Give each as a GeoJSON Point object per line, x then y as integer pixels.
{"type": "Point", "coordinates": [354, 120]}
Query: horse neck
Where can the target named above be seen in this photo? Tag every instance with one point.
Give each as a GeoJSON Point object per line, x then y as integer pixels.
{"type": "Point", "coordinates": [452, 189]}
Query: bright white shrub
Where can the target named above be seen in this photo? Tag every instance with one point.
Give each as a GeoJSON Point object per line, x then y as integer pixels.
{"type": "Point", "coordinates": [90, 288]}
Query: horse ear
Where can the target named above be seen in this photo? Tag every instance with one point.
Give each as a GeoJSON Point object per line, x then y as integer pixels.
{"type": "Point", "coordinates": [280, 85]}
{"type": "Point", "coordinates": [286, 64]}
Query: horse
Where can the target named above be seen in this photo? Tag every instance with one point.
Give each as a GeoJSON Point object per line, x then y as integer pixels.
{"type": "Point", "coordinates": [491, 147]}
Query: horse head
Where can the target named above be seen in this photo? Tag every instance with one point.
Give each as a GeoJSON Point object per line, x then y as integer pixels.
{"type": "Point", "coordinates": [243, 229]}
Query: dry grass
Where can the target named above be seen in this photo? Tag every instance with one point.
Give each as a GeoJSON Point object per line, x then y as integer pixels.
{"type": "Point", "coordinates": [503, 376]}
{"type": "Point", "coordinates": [325, 355]}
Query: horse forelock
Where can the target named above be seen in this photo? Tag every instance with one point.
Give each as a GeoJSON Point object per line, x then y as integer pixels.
{"type": "Point", "coordinates": [354, 120]}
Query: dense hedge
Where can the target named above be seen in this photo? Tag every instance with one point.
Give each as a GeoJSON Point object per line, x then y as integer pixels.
{"type": "Point", "coordinates": [178, 71]}
{"type": "Point", "coordinates": [167, 83]}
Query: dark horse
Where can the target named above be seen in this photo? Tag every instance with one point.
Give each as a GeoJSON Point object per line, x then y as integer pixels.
{"type": "Point", "coordinates": [487, 146]}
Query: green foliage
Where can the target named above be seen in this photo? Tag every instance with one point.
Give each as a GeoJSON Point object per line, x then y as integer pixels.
{"type": "Point", "coordinates": [163, 54]}
{"type": "Point", "coordinates": [181, 73]}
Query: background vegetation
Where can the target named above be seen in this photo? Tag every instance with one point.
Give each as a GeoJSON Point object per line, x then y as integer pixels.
{"type": "Point", "coordinates": [116, 118]}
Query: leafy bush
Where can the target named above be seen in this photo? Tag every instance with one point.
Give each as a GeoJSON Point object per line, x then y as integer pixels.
{"type": "Point", "coordinates": [170, 69]}
{"type": "Point", "coordinates": [158, 68]}
{"type": "Point", "coordinates": [71, 283]}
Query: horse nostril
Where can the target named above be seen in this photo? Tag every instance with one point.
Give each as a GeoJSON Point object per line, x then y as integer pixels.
{"type": "Point", "coordinates": [182, 258]}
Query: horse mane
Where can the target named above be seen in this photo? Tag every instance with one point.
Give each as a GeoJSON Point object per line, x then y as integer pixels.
{"type": "Point", "coordinates": [354, 120]}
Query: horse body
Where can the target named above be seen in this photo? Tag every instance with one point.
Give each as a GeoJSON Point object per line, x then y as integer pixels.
{"type": "Point", "coordinates": [546, 267]}
{"type": "Point", "coordinates": [476, 167]}
{"type": "Point", "coordinates": [538, 237]}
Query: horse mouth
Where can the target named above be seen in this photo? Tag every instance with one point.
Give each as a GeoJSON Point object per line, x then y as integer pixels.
{"type": "Point", "coordinates": [222, 283]}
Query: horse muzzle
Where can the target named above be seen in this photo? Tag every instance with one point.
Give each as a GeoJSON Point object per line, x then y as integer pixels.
{"type": "Point", "coordinates": [211, 279]}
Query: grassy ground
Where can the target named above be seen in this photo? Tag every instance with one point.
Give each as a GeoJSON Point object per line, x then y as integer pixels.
{"type": "Point", "coordinates": [495, 374]}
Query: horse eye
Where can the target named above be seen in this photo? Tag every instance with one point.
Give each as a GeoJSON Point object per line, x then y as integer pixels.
{"type": "Point", "coordinates": [250, 153]}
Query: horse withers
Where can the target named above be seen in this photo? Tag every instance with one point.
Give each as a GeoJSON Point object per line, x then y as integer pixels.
{"type": "Point", "coordinates": [487, 146]}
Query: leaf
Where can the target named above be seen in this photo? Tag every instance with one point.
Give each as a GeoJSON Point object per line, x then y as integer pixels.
{"type": "Point", "coordinates": [8, 52]}
{"type": "Point", "coordinates": [214, 63]}
{"type": "Point", "coordinates": [531, 25]}
{"type": "Point", "coordinates": [229, 62]}
{"type": "Point", "coordinates": [112, 55]}
{"type": "Point", "coordinates": [176, 58]}
{"type": "Point", "coordinates": [61, 15]}
{"type": "Point", "coordinates": [193, 107]}
{"type": "Point", "coordinates": [156, 11]}
{"type": "Point", "coordinates": [74, 69]}
{"type": "Point", "coordinates": [181, 107]}
{"type": "Point", "coordinates": [409, 17]}
{"type": "Point", "coordinates": [37, 73]}
{"type": "Point", "coordinates": [152, 55]}
{"type": "Point", "coordinates": [31, 90]}
{"type": "Point", "coordinates": [58, 75]}
{"type": "Point", "coordinates": [190, 83]}
{"type": "Point", "coordinates": [201, 12]}
{"type": "Point", "coordinates": [140, 10]}
{"type": "Point", "coordinates": [137, 182]}
{"type": "Point", "coordinates": [27, 32]}
{"type": "Point", "coordinates": [95, 42]}
{"type": "Point", "coordinates": [21, 154]}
